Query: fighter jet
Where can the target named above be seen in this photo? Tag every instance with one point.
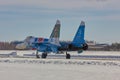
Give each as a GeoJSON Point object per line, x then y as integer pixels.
{"type": "Point", "coordinates": [53, 44]}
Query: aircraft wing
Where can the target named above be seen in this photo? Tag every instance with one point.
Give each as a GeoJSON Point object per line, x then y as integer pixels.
{"type": "Point", "coordinates": [46, 47]}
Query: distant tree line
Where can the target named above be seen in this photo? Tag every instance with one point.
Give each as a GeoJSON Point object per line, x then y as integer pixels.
{"type": "Point", "coordinates": [7, 46]}
{"type": "Point", "coordinates": [113, 47]}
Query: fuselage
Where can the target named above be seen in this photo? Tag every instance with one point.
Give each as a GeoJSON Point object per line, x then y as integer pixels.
{"type": "Point", "coordinates": [42, 43]}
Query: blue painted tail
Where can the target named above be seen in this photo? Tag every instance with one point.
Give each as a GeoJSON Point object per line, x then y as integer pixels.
{"type": "Point", "coordinates": [79, 37]}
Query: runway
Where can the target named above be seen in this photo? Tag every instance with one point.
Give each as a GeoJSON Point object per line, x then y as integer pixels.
{"type": "Point", "coordinates": [97, 57]}
{"type": "Point", "coordinates": [85, 55]}
{"type": "Point", "coordinates": [63, 56]}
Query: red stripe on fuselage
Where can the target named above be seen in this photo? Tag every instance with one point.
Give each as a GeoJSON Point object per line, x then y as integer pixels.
{"type": "Point", "coordinates": [40, 39]}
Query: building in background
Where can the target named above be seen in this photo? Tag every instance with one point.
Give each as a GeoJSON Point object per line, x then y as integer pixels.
{"type": "Point", "coordinates": [97, 46]}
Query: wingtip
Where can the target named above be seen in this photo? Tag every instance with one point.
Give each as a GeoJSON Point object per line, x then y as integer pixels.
{"type": "Point", "coordinates": [82, 23]}
{"type": "Point", "coordinates": [58, 22]}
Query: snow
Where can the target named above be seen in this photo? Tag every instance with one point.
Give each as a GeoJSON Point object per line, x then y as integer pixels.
{"type": "Point", "coordinates": [59, 69]}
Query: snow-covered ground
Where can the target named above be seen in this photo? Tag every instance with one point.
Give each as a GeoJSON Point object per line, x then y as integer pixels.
{"type": "Point", "coordinates": [59, 69]}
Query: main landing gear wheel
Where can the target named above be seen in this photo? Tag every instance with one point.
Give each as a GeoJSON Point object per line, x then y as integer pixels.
{"type": "Point", "coordinates": [44, 55]}
{"type": "Point", "coordinates": [68, 56]}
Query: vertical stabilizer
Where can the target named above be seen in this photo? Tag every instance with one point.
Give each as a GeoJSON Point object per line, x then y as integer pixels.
{"type": "Point", "coordinates": [54, 37]}
{"type": "Point", "coordinates": [79, 37]}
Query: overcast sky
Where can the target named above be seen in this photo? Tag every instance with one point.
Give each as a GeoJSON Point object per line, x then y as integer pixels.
{"type": "Point", "coordinates": [22, 18]}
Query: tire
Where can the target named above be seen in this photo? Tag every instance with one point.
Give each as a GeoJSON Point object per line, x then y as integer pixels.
{"type": "Point", "coordinates": [37, 56]}
{"type": "Point", "coordinates": [68, 56]}
{"type": "Point", "coordinates": [44, 55]}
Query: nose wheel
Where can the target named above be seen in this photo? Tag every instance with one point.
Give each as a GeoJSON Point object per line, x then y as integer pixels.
{"type": "Point", "coordinates": [37, 56]}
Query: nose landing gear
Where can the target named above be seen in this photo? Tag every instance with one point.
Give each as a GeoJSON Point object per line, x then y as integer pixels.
{"type": "Point", "coordinates": [37, 56]}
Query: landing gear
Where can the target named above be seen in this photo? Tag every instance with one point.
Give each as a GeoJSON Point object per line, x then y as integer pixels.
{"type": "Point", "coordinates": [68, 56]}
{"type": "Point", "coordinates": [44, 55]}
{"type": "Point", "coordinates": [37, 56]}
